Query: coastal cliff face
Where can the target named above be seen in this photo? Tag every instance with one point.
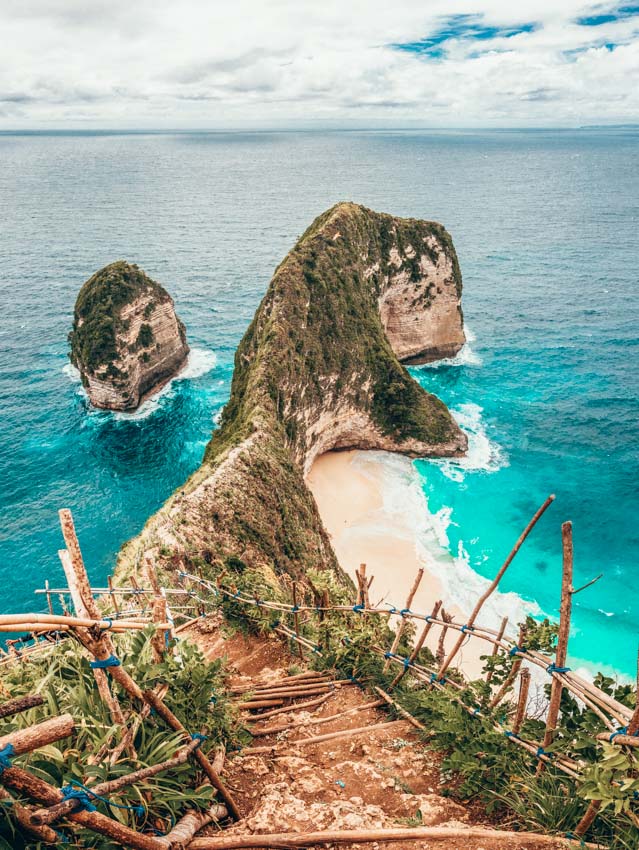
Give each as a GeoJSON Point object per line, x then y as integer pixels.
{"type": "Point", "coordinates": [317, 369]}
{"type": "Point", "coordinates": [126, 341]}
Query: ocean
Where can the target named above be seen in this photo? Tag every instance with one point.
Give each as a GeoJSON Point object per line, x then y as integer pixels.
{"type": "Point", "coordinates": [546, 227]}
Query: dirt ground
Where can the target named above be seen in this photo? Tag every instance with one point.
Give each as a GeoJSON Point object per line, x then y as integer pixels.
{"type": "Point", "coordinates": [380, 778]}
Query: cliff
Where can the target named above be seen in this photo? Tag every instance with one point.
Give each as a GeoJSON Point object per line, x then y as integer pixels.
{"type": "Point", "coordinates": [126, 341]}
{"type": "Point", "coordinates": [318, 370]}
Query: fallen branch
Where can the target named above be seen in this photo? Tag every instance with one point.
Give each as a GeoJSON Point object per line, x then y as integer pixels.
{"type": "Point", "coordinates": [15, 706]}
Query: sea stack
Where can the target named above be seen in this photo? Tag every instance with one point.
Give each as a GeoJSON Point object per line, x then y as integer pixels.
{"type": "Point", "coordinates": [319, 369]}
{"type": "Point", "coordinates": [127, 340]}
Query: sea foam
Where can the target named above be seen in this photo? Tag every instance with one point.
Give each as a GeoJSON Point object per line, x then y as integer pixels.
{"type": "Point", "coordinates": [200, 362]}
{"type": "Point", "coordinates": [464, 357]}
{"type": "Point", "coordinates": [405, 507]}
{"type": "Point", "coordinates": [483, 455]}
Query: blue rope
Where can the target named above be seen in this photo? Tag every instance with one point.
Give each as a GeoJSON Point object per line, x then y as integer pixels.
{"type": "Point", "coordinates": [358, 608]}
{"type": "Point", "coordinates": [111, 661]}
{"type": "Point", "coordinates": [275, 624]}
{"type": "Point", "coordinates": [110, 622]}
{"type": "Point", "coordinates": [552, 668]}
{"type": "Point", "coordinates": [295, 609]}
{"type": "Point", "coordinates": [476, 712]}
{"type": "Point", "coordinates": [317, 648]}
{"type": "Point", "coordinates": [428, 618]}
{"type": "Point", "coordinates": [433, 678]}
{"type": "Point", "coordinates": [516, 650]}
{"type": "Point", "coordinates": [406, 662]}
{"type": "Point", "coordinates": [391, 608]}
{"type": "Point", "coordinates": [404, 611]}
{"type": "Point", "coordinates": [466, 628]}
{"type": "Point", "coordinates": [542, 752]}
{"type": "Point", "coordinates": [198, 736]}
{"type": "Point", "coordinates": [621, 731]}
{"type": "Point", "coordinates": [509, 734]}
{"type": "Point", "coordinates": [5, 756]}
{"type": "Point", "coordinates": [572, 837]}
{"type": "Point", "coordinates": [84, 796]}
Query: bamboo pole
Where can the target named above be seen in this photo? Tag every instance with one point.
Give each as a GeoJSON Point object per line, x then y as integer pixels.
{"type": "Point", "coordinates": [39, 735]}
{"type": "Point", "coordinates": [402, 622]}
{"type": "Point", "coordinates": [296, 619]}
{"type": "Point", "coordinates": [328, 736]}
{"type": "Point", "coordinates": [420, 643]}
{"type": "Point", "coordinates": [40, 791]}
{"type": "Point", "coordinates": [565, 611]}
{"type": "Point", "coordinates": [500, 634]}
{"type": "Point", "coordinates": [283, 727]}
{"type": "Point", "coordinates": [368, 836]}
{"type": "Point", "coordinates": [493, 585]}
{"type": "Point", "coordinates": [400, 710]}
{"type": "Point", "coordinates": [190, 823]}
{"type": "Point", "coordinates": [171, 720]}
{"type": "Point", "coordinates": [15, 706]}
{"type": "Point", "coordinates": [524, 686]}
{"type": "Point", "coordinates": [288, 709]}
{"type": "Point", "coordinates": [49, 602]}
{"type": "Point", "coordinates": [113, 595]}
{"type": "Point", "coordinates": [104, 789]}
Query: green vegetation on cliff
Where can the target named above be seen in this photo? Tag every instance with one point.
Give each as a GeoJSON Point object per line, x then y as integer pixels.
{"type": "Point", "coordinates": [315, 371]}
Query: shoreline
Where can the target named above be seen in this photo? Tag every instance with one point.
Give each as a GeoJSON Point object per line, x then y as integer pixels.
{"type": "Point", "coordinates": [351, 491]}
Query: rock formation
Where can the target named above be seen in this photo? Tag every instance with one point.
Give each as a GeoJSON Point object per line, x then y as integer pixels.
{"type": "Point", "coordinates": [318, 370]}
{"type": "Point", "coordinates": [127, 341]}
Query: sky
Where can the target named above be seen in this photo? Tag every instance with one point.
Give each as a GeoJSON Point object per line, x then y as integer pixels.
{"type": "Point", "coordinates": [73, 64]}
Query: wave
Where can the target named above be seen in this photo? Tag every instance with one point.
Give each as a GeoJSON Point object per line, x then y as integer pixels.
{"type": "Point", "coordinates": [483, 455]}
{"type": "Point", "coordinates": [405, 507]}
{"type": "Point", "coordinates": [464, 357]}
{"type": "Point", "coordinates": [200, 362]}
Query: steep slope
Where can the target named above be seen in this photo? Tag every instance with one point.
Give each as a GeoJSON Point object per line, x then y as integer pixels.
{"type": "Point", "coordinates": [126, 340]}
{"type": "Point", "coordinates": [316, 371]}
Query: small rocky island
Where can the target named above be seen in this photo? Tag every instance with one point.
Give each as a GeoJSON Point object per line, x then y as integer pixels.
{"type": "Point", "coordinates": [127, 340]}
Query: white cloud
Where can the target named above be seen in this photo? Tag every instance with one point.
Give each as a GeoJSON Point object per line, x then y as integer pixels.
{"type": "Point", "coordinates": [198, 63]}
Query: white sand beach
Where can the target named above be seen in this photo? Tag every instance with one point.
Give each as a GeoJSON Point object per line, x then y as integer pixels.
{"type": "Point", "coordinates": [351, 491]}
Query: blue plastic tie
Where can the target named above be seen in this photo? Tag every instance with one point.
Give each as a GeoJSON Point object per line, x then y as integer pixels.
{"type": "Point", "coordinates": [404, 611]}
{"type": "Point", "coordinates": [391, 608]}
{"type": "Point", "coordinates": [275, 624]}
{"type": "Point", "coordinates": [406, 662]}
{"type": "Point", "coordinates": [109, 621]}
{"type": "Point", "coordinates": [6, 754]}
{"type": "Point", "coordinates": [359, 608]}
{"type": "Point", "coordinates": [341, 783]}
{"type": "Point", "coordinates": [622, 731]}
{"type": "Point", "coordinates": [84, 796]}
{"type": "Point", "coordinates": [509, 734]}
{"type": "Point", "coordinates": [433, 678]}
{"type": "Point", "coordinates": [213, 700]}
{"type": "Point", "coordinates": [542, 752]}
{"type": "Point", "coordinates": [317, 648]}
{"type": "Point", "coordinates": [465, 628]}
{"type": "Point", "coordinates": [346, 641]}
{"type": "Point", "coordinates": [295, 609]}
{"type": "Point", "coordinates": [428, 618]}
{"type": "Point", "coordinates": [199, 737]}
{"type": "Point", "coordinates": [552, 668]}
{"type": "Point", "coordinates": [476, 712]}
{"type": "Point", "coordinates": [516, 650]}
{"type": "Point", "coordinates": [572, 837]}
{"type": "Point", "coordinates": [388, 655]}
{"type": "Point", "coordinates": [62, 838]}
{"type": "Point", "coordinates": [111, 661]}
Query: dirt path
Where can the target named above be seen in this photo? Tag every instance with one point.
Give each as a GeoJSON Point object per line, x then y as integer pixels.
{"type": "Point", "coordinates": [380, 778]}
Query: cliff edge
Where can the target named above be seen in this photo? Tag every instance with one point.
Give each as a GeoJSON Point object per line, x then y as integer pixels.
{"type": "Point", "coordinates": [126, 341]}
{"type": "Point", "coordinates": [318, 369]}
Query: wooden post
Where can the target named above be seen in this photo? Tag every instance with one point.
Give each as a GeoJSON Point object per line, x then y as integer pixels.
{"type": "Point", "coordinates": [565, 611]}
{"type": "Point", "coordinates": [514, 670]}
{"type": "Point", "coordinates": [39, 735]}
{"type": "Point", "coordinates": [524, 686]}
{"type": "Point", "coordinates": [297, 621]}
{"type": "Point", "coordinates": [172, 721]}
{"type": "Point", "coordinates": [402, 623]}
{"type": "Point", "coordinates": [114, 596]}
{"type": "Point", "coordinates": [493, 585]}
{"type": "Point", "coordinates": [15, 706]}
{"type": "Point", "coordinates": [441, 650]}
{"type": "Point", "coordinates": [420, 643]}
{"type": "Point", "coordinates": [49, 602]}
{"type": "Point", "coordinates": [633, 725]}
{"type": "Point", "coordinates": [37, 789]}
{"type": "Point", "coordinates": [500, 634]}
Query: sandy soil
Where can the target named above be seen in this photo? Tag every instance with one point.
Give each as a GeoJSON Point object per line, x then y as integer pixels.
{"type": "Point", "coordinates": [352, 509]}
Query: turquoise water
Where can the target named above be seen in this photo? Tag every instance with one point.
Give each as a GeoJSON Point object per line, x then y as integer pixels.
{"type": "Point", "coordinates": [545, 224]}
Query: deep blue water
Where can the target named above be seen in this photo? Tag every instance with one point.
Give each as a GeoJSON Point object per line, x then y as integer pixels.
{"type": "Point", "coordinates": [546, 227]}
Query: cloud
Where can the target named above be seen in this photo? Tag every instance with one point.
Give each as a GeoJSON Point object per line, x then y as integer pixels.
{"type": "Point", "coordinates": [194, 64]}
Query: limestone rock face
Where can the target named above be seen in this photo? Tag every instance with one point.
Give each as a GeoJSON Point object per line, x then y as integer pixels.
{"type": "Point", "coordinates": [319, 369]}
{"type": "Point", "coordinates": [420, 305]}
{"type": "Point", "coordinates": [127, 340]}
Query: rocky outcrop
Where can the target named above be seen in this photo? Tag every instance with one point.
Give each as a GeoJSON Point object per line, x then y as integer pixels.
{"type": "Point", "coordinates": [127, 340]}
{"type": "Point", "coordinates": [318, 369]}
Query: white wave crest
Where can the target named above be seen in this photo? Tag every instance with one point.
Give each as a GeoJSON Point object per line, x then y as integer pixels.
{"type": "Point", "coordinates": [464, 357]}
{"type": "Point", "coordinates": [483, 455]}
{"type": "Point", "coordinates": [200, 361]}
{"type": "Point", "coordinates": [405, 507]}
